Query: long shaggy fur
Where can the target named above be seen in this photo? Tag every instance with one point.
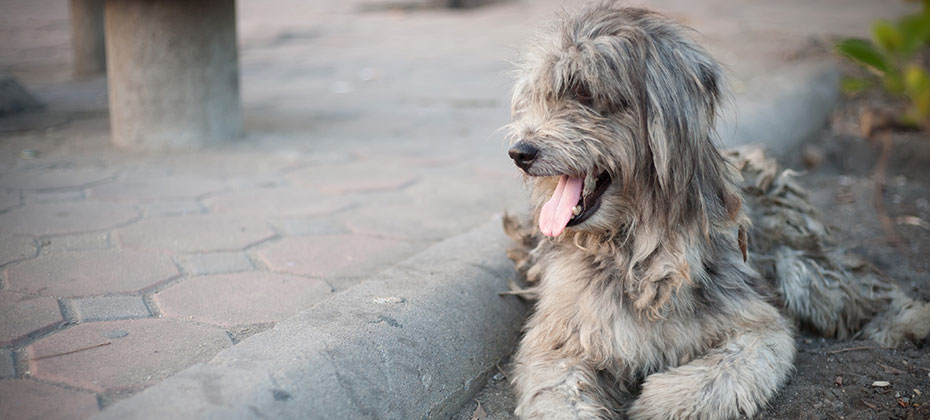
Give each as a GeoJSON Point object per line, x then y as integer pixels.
{"type": "Point", "coordinates": [649, 309]}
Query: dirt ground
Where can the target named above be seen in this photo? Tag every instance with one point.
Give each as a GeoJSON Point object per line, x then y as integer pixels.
{"type": "Point", "coordinates": [837, 379]}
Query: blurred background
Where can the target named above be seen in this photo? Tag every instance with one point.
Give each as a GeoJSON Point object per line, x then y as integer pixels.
{"type": "Point", "coordinates": [177, 176]}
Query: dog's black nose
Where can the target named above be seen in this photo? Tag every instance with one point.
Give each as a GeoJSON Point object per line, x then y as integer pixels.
{"type": "Point", "coordinates": [523, 154]}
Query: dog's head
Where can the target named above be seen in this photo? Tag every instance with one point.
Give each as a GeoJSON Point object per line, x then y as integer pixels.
{"type": "Point", "coordinates": [612, 119]}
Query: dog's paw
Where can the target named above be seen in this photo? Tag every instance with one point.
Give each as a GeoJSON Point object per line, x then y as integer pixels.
{"type": "Point", "coordinates": [904, 320]}
{"type": "Point", "coordinates": [549, 405]}
{"type": "Point", "coordinates": [665, 397]}
{"type": "Point", "coordinates": [689, 393]}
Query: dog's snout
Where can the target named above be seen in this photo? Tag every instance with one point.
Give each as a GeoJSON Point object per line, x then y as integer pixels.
{"type": "Point", "coordinates": [523, 154]}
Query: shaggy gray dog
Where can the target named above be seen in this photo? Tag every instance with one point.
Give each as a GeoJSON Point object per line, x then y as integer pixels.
{"type": "Point", "coordinates": [647, 307]}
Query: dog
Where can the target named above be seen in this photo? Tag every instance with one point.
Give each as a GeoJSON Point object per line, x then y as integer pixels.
{"type": "Point", "coordinates": [656, 297]}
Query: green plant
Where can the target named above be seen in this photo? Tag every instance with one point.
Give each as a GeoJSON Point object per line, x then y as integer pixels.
{"type": "Point", "coordinates": [893, 57]}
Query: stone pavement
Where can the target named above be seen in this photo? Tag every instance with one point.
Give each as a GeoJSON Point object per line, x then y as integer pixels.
{"type": "Point", "coordinates": [370, 136]}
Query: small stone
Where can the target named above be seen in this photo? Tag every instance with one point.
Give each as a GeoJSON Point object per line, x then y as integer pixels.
{"type": "Point", "coordinates": [838, 381]}
{"type": "Point", "coordinates": [388, 299]}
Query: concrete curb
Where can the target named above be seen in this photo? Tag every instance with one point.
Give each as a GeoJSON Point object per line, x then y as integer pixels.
{"type": "Point", "coordinates": [413, 342]}
{"type": "Point", "coordinates": [783, 110]}
{"type": "Point", "coordinates": [419, 339]}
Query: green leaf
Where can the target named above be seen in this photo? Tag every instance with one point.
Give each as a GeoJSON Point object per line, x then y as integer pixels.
{"type": "Point", "coordinates": [854, 85]}
{"type": "Point", "coordinates": [915, 32]}
{"type": "Point", "coordinates": [893, 83]}
{"type": "Point", "coordinates": [916, 80]}
{"type": "Point", "coordinates": [864, 53]}
{"type": "Point", "coordinates": [887, 36]}
{"type": "Point", "coordinates": [917, 85]}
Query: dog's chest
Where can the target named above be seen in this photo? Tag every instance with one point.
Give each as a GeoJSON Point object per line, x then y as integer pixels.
{"type": "Point", "coordinates": [589, 305]}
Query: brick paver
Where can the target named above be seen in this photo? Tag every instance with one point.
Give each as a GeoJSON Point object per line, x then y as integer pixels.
{"type": "Point", "coordinates": [241, 298]}
{"type": "Point", "coordinates": [78, 242]}
{"type": "Point", "coordinates": [23, 314]}
{"type": "Point", "coordinates": [65, 217]}
{"type": "Point", "coordinates": [27, 399]}
{"type": "Point", "coordinates": [285, 201]}
{"type": "Point", "coordinates": [145, 187]}
{"type": "Point", "coordinates": [407, 221]}
{"type": "Point", "coordinates": [54, 178]}
{"type": "Point", "coordinates": [195, 233]}
{"type": "Point", "coordinates": [140, 352]}
{"type": "Point", "coordinates": [215, 263]}
{"type": "Point", "coordinates": [305, 226]}
{"type": "Point", "coordinates": [109, 308]}
{"type": "Point", "coordinates": [419, 158]}
{"type": "Point", "coordinates": [354, 177]}
{"type": "Point", "coordinates": [16, 248]}
{"type": "Point", "coordinates": [91, 272]}
{"type": "Point", "coordinates": [171, 208]}
{"type": "Point", "coordinates": [334, 255]}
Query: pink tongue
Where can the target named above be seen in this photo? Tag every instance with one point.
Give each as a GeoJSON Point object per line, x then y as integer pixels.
{"type": "Point", "coordinates": [557, 211]}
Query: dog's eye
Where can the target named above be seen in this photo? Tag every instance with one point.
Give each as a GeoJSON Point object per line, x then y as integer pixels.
{"type": "Point", "coordinates": [581, 94]}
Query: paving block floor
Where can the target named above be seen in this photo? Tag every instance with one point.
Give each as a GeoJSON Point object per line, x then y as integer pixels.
{"type": "Point", "coordinates": [371, 133]}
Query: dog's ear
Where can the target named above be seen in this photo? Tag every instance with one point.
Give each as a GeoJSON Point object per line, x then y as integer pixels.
{"type": "Point", "coordinates": [682, 90]}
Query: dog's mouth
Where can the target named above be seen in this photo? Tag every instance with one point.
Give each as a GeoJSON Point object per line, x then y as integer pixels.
{"type": "Point", "coordinates": [573, 201]}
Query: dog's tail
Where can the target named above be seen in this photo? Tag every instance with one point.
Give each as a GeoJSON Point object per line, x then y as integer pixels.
{"type": "Point", "coordinates": [822, 285]}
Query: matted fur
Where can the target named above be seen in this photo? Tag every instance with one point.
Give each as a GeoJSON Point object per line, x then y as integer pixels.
{"type": "Point", "coordinates": [648, 309]}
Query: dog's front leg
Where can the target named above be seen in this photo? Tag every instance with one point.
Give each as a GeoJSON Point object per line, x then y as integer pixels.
{"type": "Point", "coordinates": [558, 388]}
{"type": "Point", "coordinates": [736, 378]}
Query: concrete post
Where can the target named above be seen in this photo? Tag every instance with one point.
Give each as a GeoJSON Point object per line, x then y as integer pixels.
{"type": "Point", "coordinates": [87, 44]}
{"type": "Point", "coordinates": [173, 73]}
